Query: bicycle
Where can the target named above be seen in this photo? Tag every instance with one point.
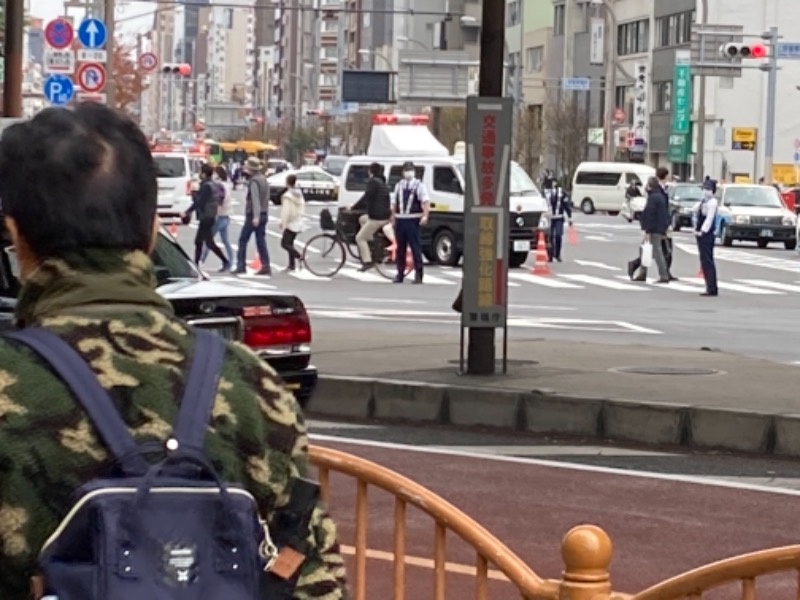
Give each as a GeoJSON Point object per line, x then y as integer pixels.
{"type": "Point", "coordinates": [325, 254]}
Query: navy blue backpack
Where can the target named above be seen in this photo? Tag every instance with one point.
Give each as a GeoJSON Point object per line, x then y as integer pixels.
{"type": "Point", "coordinates": [168, 531]}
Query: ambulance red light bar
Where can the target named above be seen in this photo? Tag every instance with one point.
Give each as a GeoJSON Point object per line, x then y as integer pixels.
{"type": "Point", "coordinates": [400, 119]}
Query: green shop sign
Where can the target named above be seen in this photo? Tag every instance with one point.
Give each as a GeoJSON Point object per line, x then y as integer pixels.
{"type": "Point", "coordinates": [680, 147]}
{"type": "Point", "coordinates": [682, 93]}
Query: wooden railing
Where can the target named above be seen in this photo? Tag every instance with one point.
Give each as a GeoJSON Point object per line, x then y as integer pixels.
{"type": "Point", "coordinates": [582, 574]}
{"type": "Point", "coordinates": [586, 549]}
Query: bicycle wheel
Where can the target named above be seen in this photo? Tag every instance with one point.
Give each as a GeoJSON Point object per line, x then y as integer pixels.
{"type": "Point", "coordinates": [385, 259]}
{"type": "Point", "coordinates": [323, 255]}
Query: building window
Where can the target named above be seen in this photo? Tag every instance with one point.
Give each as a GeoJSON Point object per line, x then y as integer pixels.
{"type": "Point", "coordinates": [623, 98]}
{"type": "Point", "coordinates": [534, 59]}
{"type": "Point", "coordinates": [329, 52]}
{"type": "Point", "coordinates": [633, 37]}
{"type": "Point", "coordinates": [512, 13]}
{"type": "Point", "coordinates": [675, 30]}
{"type": "Point", "coordinates": [329, 26]}
{"type": "Point", "coordinates": [227, 18]}
{"type": "Point", "coordinates": [559, 15]}
{"type": "Point", "coordinates": [662, 92]}
{"type": "Point", "coordinates": [366, 20]}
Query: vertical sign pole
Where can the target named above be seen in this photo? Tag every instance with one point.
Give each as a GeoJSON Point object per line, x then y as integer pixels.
{"type": "Point", "coordinates": [699, 161]}
{"type": "Point", "coordinates": [109, 15]}
{"type": "Point", "coordinates": [12, 58]}
{"type": "Point", "coordinates": [772, 95]}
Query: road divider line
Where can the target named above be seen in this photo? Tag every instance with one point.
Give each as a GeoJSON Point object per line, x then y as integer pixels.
{"type": "Point", "coordinates": [424, 563]}
{"type": "Point", "coordinates": [673, 285]}
{"type": "Point", "coordinates": [606, 283]}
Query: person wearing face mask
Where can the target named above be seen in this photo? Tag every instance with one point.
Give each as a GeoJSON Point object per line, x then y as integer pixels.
{"type": "Point", "coordinates": [410, 211]}
{"type": "Point", "coordinates": [705, 215]}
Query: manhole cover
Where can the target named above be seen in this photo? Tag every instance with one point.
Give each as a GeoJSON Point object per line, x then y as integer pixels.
{"type": "Point", "coordinates": [511, 362]}
{"type": "Point", "coordinates": [666, 371]}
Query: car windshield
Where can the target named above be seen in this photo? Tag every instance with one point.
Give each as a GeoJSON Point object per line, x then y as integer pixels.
{"type": "Point", "coordinates": [170, 262]}
{"type": "Point", "coordinates": [752, 196]}
{"type": "Point", "coordinates": [168, 167]}
{"type": "Point", "coordinates": [688, 193]}
{"type": "Point", "coordinates": [521, 184]}
{"type": "Point", "coordinates": [335, 166]}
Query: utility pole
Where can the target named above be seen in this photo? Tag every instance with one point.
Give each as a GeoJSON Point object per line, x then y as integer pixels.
{"type": "Point", "coordinates": [772, 93]}
{"type": "Point", "coordinates": [481, 340]}
{"type": "Point", "coordinates": [12, 57]}
{"type": "Point", "coordinates": [699, 159]}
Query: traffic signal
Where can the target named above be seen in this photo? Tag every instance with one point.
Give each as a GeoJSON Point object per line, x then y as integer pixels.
{"type": "Point", "coordinates": [177, 69]}
{"type": "Point", "coordinates": [737, 50]}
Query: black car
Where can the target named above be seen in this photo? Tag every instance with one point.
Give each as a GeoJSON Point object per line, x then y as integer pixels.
{"type": "Point", "coordinates": [683, 197]}
{"type": "Point", "coordinates": [275, 325]}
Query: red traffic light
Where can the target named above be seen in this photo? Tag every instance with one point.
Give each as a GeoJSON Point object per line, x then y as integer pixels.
{"type": "Point", "coordinates": [758, 50]}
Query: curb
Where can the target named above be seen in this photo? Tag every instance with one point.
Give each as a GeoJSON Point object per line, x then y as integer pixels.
{"type": "Point", "coordinates": [548, 412]}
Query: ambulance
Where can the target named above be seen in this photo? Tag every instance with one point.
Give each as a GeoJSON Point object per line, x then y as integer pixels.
{"type": "Point", "coordinates": [396, 139]}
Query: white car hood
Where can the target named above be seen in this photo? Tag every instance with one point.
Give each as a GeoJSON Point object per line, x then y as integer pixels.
{"type": "Point", "coordinates": [758, 211]}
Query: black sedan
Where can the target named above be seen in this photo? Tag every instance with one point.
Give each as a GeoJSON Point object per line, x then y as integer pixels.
{"type": "Point", "coordinates": [316, 184]}
{"type": "Point", "coordinates": [275, 325]}
{"type": "Point", "coordinates": [683, 197]}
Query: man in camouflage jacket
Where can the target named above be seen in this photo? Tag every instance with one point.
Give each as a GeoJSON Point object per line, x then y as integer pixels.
{"type": "Point", "coordinates": [89, 279]}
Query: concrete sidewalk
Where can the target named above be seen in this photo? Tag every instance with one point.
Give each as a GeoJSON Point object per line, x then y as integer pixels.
{"type": "Point", "coordinates": [682, 397]}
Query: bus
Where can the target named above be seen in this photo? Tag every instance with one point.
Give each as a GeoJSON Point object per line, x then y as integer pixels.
{"type": "Point", "coordinates": [214, 149]}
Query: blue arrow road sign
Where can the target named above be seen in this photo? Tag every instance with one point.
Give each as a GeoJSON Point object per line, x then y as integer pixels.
{"type": "Point", "coordinates": [58, 89]}
{"type": "Point", "coordinates": [92, 33]}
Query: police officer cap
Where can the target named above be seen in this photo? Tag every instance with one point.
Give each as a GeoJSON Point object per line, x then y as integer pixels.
{"type": "Point", "coordinates": [710, 184]}
{"type": "Point", "coordinates": [408, 165]}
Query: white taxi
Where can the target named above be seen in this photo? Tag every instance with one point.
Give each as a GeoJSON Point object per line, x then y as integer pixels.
{"type": "Point", "coordinates": [755, 213]}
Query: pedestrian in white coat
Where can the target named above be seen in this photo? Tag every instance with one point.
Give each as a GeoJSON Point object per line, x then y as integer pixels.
{"type": "Point", "coordinates": [293, 208]}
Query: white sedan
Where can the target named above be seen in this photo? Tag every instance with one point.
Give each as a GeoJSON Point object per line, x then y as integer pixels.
{"type": "Point", "coordinates": [315, 183]}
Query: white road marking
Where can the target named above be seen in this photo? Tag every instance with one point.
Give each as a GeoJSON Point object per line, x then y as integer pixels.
{"type": "Point", "coordinates": [597, 238]}
{"type": "Point", "coordinates": [744, 289]}
{"type": "Point", "coordinates": [388, 300]}
{"type": "Point", "coordinates": [544, 281]}
{"type": "Point", "coordinates": [557, 465]}
{"type": "Point", "coordinates": [783, 287]}
{"type": "Point", "coordinates": [747, 258]}
{"type": "Point", "coordinates": [541, 307]}
{"type": "Point", "coordinates": [674, 285]}
{"type": "Point", "coordinates": [606, 283]}
{"type": "Point", "coordinates": [365, 276]}
{"type": "Point", "coordinates": [598, 265]}
{"type": "Point", "coordinates": [583, 325]}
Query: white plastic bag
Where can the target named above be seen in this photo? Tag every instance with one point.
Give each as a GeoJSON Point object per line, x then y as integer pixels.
{"type": "Point", "coordinates": [647, 254]}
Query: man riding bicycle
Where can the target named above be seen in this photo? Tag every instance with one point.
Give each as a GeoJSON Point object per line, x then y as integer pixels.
{"type": "Point", "coordinates": [378, 213]}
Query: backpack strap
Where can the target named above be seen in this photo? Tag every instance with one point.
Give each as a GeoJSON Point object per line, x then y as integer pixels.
{"type": "Point", "coordinates": [197, 402]}
{"type": "Point", "coordinates": [82, 381]}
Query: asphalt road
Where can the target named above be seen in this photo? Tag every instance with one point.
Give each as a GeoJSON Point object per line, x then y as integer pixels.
{"type": "Point", "coordinates": [587, 297]}
{"type": "Point", "coordinates": [666, 513]}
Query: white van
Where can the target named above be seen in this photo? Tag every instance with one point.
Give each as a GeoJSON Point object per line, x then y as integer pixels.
{"type": "Point", "coordinates": [443, 236]}
{"type": "Point", "coordinates": [175, 183]}
{"type": "Point", "coordinates": [600, 186]}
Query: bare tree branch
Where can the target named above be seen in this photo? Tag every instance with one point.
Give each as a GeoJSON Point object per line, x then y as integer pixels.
{"type": "Point", "coordinates": [567, 125]}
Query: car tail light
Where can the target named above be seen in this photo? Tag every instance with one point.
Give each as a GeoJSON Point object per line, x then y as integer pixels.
{"type": "Point", "coordinates": [263, 331]}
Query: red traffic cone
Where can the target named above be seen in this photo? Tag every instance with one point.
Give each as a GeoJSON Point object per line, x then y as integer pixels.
{"type": "Point", "coordinates": [540, 266]}
{"type": "Point", "coordinates": [255, 264]}
{"type": "Point", "coordinates": [572, 236]}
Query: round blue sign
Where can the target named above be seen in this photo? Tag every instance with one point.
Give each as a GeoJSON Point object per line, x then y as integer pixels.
{"type": "Point", "coordinates": [58, 89]}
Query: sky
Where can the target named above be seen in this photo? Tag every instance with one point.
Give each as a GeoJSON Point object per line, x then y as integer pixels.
{"type": "Point", "coordinates": [132, 17]}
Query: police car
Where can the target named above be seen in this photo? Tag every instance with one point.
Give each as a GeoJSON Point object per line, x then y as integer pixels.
{"type": "Point", "coordinates": [315, 183]}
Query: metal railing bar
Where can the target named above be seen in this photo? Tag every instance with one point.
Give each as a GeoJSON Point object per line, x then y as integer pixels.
{"type": "Point", "coordinates": [399, 549]}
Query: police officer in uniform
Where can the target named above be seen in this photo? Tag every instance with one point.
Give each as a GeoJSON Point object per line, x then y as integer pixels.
{"type": "Point", "coordinates": [705, 216]}
{"type": "Point", "coordinates": [410, 207]}
{"type": "Point", "coordinates": [561, 207]}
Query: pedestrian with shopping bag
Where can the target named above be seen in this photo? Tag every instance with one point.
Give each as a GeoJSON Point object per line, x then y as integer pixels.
{"type": "Point", "coordinates": [655, 221]}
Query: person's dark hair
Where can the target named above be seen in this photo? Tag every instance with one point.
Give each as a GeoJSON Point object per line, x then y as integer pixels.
{"type": "Point", "coordinates": [207, 171]}
{"type": "Point", "coordinates": [291, 180]}
{"type": "Point", "coordinates": [652, 183]}
{"type": "Point", "coordinates": [79, 179]}
{"type": "Point", "coordinates": [221, 173]}
{"type": "Point", "coordinates": [662, 173]}
{"type": "Point", "coordinates": [375, 169]}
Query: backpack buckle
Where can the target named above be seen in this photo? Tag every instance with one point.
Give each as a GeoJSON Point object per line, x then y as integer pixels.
{"type": "Point", "coordinates": [267, 550]}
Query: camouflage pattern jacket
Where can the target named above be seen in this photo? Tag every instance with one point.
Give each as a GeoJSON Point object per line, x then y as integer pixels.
{"type": "Point", "coordinates": [140, 352]}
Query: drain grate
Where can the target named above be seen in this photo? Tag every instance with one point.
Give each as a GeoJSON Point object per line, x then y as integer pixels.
{"type": "Point", "coordinates": [666, 371]}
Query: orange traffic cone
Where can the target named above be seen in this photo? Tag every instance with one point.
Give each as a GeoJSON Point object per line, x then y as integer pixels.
{"type": "Point", "coordinates": [572, 236]}
{"type": "Point", "coordinates": [540, 258]}
{"type": "Point", "coordinates": [173, 230]}
{"type": "Point", "coordinates": [255, 264]}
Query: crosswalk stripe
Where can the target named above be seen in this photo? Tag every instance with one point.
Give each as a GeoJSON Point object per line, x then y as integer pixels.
{"type": "Point", "coordinates": [782, 287]}
{"type": "Point", "coordinates": [366, 277]}
{"type": "Point", "coordinates": [678, 286]}
{"type": "Point", "coordinates": [544, 281]}
{"type": "Point", "coordinates": [606, 283]}
{"type": "Point", "coordinates": [745, 289]}
{"type": "Point", "coordinates": [306, 275]}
